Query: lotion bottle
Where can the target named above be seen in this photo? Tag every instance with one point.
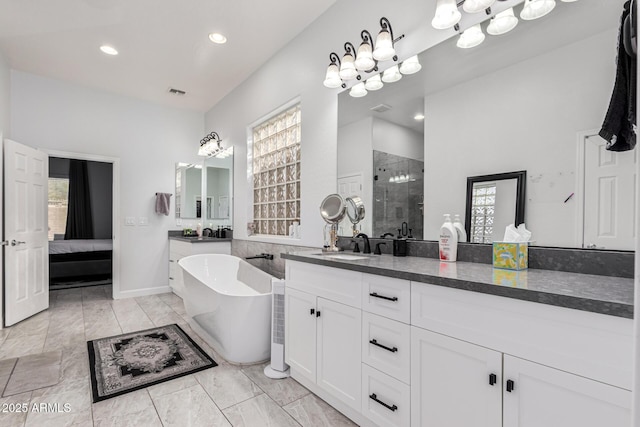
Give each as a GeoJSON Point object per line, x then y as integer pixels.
{"type": "Point", "coordinates": [448, 243]}
{"type": "Point", "coordinates": [462, 233]}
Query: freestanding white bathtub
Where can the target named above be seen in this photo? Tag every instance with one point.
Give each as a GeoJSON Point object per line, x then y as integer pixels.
{"type": "Point", "coordinates": [228, 302]}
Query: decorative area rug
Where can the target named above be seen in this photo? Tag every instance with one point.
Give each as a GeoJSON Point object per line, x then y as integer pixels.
{"type": "Point", "coordinates": [136, 360]}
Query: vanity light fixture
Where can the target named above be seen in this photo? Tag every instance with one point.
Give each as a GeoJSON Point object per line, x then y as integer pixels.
{"type": "Point", "coordinates": [358, 91]}
{"type": "Point", "coordinates": [391, 75]}
{"type": "Point", "coordinates": [332, 78]}
{"type": "Point", "coordinates": [348, 67]}
{"type": "Point", "coordinates": [447, 15]}
{"type": "Point", "coordinates": [410, 65]}
{"type": "Point", "coordinates": [534, 9]}
{"type": "Point", "coordinates": [475, 6]}
{"type": "Point", "coordinates": [502, 23]}
{"type": "Point", "coordinates": [364, 60]}
{"type": "Point", "coordinates": [373, 83]}
{"type": "Point", "coordinates": [210, 145]}
{"type": "Point", "coordinates": [364, 57]}
{"type": "Point", "coordinates": [471, 37]}
{"type": "Point", "coordinates": [384, 49]}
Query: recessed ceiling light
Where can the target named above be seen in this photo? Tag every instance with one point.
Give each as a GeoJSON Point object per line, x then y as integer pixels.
{"type": "Point", "coordinates": [109, 50]}
{"type": "Point", "coordinates": [217, 38]}
{"type": "Point", "coordinates": [418, 117]}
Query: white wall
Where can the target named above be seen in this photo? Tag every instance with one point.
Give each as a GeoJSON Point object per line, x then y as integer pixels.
{"type": "Point", "coordinates": [557, 95]}
{"type": "Point", "coordinates": [5, 97]}
{"type": "Point", "coordinates": [148, 139]}
{"type": "Point", "coordinates": [398, 140]}
{"type": "Point", "coordinates": [298, 71]}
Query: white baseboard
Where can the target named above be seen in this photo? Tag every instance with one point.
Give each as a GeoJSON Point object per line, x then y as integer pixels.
{"type": "Point", "coordinates": [142, 292]}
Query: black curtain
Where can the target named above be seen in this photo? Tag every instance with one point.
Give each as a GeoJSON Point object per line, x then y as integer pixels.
{"type": "Point", "coordinates": [79, 220]}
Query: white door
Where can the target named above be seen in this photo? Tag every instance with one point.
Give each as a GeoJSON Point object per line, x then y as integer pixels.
{"type": "Point", "coordinates": [26, 284]}
{"type": "Point", "coordinates": [454, 383]}
{"type": "Point", "coordinates": [339, 351]}
{"type": "Point", "coordinates": [300, 332]}
{"type": "Point", "coordinates": [542, 396]}
{"type": "Point", "coordinates": [609, 196]}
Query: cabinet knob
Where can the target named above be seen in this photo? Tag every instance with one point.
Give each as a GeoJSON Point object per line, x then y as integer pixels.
{"type": "Point", "coordinates": [510, 386]}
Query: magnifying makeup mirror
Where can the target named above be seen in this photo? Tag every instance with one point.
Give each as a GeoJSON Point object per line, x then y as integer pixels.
{"type": "Point", "coordinates": [355, 211]}
{"type": "Point", "coordinates": [332, 210]}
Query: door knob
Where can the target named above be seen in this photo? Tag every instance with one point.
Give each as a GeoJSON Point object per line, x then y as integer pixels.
{"type": "Point", "coordinates": [16, 243]}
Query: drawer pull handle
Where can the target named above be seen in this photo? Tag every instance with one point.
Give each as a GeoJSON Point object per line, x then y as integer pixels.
{"type": "Point", "coordinates": [389, 407]}
{"type": "Point", "coordinates": [493, 379]}
{"type": "Point", "coordinates": [510, 386]}
{"type": "Point", "coordinates": [392, 350]}
{"type": "Point", "coordinates": [375, 295]}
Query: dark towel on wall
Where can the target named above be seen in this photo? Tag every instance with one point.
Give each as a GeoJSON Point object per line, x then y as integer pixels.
{"type": "Point", "coordinates": [619, 124]}
{"type": "Point", "coordinates": [163, 204]}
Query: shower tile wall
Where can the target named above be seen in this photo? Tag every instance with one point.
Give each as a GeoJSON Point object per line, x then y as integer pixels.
{"type": "Point", "coordinates": [397, 202]}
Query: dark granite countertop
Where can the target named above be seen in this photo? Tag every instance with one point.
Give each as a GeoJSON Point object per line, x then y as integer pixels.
{"type": "Point", "coordinates": [599, 294]}
{"type": "Point", "coordinates": [200, 239]}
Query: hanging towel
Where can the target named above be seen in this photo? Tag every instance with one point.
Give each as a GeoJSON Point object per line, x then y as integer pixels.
{"type": "Point", "coordinates": [619, 127]}
{"type": "Point", "coordinates": [163, 203]}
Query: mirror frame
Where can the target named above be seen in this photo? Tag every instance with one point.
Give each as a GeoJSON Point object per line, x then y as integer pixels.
{"type": "Point", "coordinates": [521, 182]}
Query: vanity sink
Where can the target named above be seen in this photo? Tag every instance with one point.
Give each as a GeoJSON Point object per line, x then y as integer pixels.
{"type": "Point", "coordinates": [346, 257]}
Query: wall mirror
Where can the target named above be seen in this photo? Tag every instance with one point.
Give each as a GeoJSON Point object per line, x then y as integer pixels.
{"type": "Point", "coordinates": [204, 191]}
{"type": "Point", "coordinates": [532, 99]}
{"type": "Point", "coordinates": [188, 198]}
{"type": "Point", "coordinates": [493, 202]}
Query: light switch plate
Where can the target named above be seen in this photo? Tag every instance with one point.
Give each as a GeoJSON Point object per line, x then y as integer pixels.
{"type": "Point", "coordinates": [130, 220]}
{"type": "Point", "coordinates": [143, 220]}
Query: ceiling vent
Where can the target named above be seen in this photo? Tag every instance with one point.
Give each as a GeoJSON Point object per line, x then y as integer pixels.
{"type": "Point", "coordinates": [176, 91]}
{"type": "Point", "coordinates": [381, 108]}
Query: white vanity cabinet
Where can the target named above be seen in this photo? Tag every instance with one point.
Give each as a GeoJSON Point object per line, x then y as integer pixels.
{"type": "Point", "coordinates": [179, 249]}
{"type": "Point", "coordinates": [322, 335]}
{"type": "Point", "coordinates": [488, 361]}
{"type": "Point", "coordinates": [389, 352]}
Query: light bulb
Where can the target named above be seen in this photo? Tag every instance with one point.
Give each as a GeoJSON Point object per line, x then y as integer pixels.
{"type": "Point", "coordinates": [373, 83]}
{"type": "Point", "coordinates": [475, 6]}
{"type": "Point", "coordinates": [364, 57]}
{"type": "Point", "coordinates": [391, 75]}
{"type": "Point", "coordinates": [358, 91]}
{"type": "Point", "coordinates": [348, 67]}
{"type": "Point", "coordinates": [332, 78]}
{"type": "Point", "coordinates": [384, 46]}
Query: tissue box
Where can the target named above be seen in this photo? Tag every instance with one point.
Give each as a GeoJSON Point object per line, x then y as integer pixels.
{"type": "Point", "coordinates": [511, 256]}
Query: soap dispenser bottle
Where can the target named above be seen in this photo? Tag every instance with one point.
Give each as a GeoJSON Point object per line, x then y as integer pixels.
{"type": "Point", "coordinates": [462, 233]}
{"type": "Point", "coordinates": [448, 243]}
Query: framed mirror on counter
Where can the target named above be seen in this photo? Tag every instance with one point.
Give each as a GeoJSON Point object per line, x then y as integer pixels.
{"type": "Point", "coordinates": [204, 191]}
{"type": "Point", "coordinates": [531, 100]}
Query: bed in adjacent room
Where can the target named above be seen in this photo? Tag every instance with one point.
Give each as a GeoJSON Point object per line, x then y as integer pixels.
{"type": "Point", "coordinates": [79, 262]}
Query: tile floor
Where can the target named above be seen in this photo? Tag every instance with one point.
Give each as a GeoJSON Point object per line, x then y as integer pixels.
{"type": "Point", "coordinates": [226, 395]}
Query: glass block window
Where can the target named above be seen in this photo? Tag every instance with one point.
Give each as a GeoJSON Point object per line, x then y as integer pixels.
{"type": "Point", "coordinates": [483, 212]}
{"type": "Point", "coordinates": [276, 173]}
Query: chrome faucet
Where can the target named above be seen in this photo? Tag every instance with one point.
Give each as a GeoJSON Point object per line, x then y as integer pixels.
{"type": "Point", "coordinates": [367, 247]}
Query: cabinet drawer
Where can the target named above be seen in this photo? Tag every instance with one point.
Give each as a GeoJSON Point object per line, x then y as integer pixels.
{"type": "Point", "coordinates": [179, 248]}
{"type": "Point", "coordinates": [386, 345]}
{"type": "Point", "coordinates": [387, 297]}
{"type": "Point", "coordinates": [335, 284]}
{"type": "Point", "coordinates": [385, 400]}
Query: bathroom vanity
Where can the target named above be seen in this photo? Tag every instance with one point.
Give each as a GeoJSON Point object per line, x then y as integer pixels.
{"type": "Point", "coordinates": [180, 247]}
{"type": "Point", "coordinates": [394, 341]}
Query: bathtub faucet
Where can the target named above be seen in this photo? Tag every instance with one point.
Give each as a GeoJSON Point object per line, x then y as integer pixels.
{"type": "Point", "coordinates": [262, 255]}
